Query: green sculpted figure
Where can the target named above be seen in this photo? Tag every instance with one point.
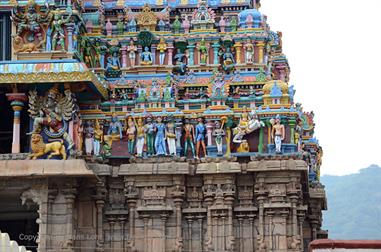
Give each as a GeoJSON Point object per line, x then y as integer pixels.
{"type": "Point", "coordinates": [120, 26]}
{"type": "Point", "coordinates": [233, 24]}
{"type": "Point", "coordinates": [150, 136]}
{"type": "Point", "coordinates": [58, 32]}
{"type": "Point", "coordinates": [203, 52]}
{"type": "Point", "coordinates": [176, 25]}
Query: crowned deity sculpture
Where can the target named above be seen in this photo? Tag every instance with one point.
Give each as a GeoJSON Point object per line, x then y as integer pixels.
{"type": "Point", "coordinates": [222, 24]}
{"type": "Point", "coordinates": [98, 138]}
{"type": "Point", "coordinates": [249, 52]}
{"type": "Point", "coordinates": [132, 25]}
{"type": "Point", "coordinates": [52, 113]}
{"type": "Point", "coordinates": [160, 129]}
{"type": "Point", "coordinates": [218, 134]}
{"type": "Point", "coordinates": [108, 28]}
{"type": "Point", "coordinates": [29, 24]}
{"type": "Point", "coordinates": [149, 129]}
{"type": "Point", "coordinates": [140, 137]}
{"type": "Point", "coordinates": [132, 49]}
{"type": "Point", "coordinates": [161, 25]}
{"type": "Point", "coordinates": [171, 135]}
{"type": "Point", "coordinates": [131, 132]}
{"type": "Point", "coordinates": [146, 57]}
{"type": "Point", "coordinates": [247, 124]}
{"type": "Point", "coordinates": [203, 52]}
{"type": "Point", "coordinates": [200, 136]}
{"type": "Point", "coordinates": [89, 138]}
{"type": "Point", "coordinates": [189, 137]}
{"type": "Point", "coordinates": [162, 47]}
{"type": "Point", "coordinates": [120, 25]}
{"type": "Point", "coordinates": [114, 131]}
{"type": "Point", "coordinates": [233, 24]}
{"type": "Point", "coordinates": [228, 61]}
{"type": "Point", "coordinates": [180, 62]}
{"type": "Point", "coordinates": [277, 133]}
{"type": "Point", "coordinates": [186, 24]}
{"type": "Point", "coordinates": [101, 50]}
{"type": "Point", "coordinates": [176, 25]}
{"type": "Point", "coordinates": [299, 134]}
{"type": "Point", "coordinates": [58, 33]}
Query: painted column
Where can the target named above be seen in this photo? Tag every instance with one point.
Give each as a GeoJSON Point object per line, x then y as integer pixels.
{"type": "Point", "coordinates": [170, 54]}
{"type": "Point", "coordinates": [238, 47]}
{"type": "Point", "coordinates": [261, 46]}
{"type": "Point", "coordinates": [209, 131]}
{"type": "Point", "coordinates": [292, 123]}
{"type": "Point", "coordinates": [260, 145]}
{"type": "Point", "coordinates": [191, 54]}
{"type": "Point", "coordinates": [124, 56]}
{"type": "Point", "coordinates": [69, 30]}
{"type": "Point", "coordinates": [215, 46]}
{"type": "Point", "coordinates": [153, 51]}
{"type": "Point", "coordinates": [17, 102]}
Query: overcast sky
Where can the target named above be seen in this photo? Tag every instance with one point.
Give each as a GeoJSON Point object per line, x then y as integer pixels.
{"type": "Point", "coordinates": [334, 50]}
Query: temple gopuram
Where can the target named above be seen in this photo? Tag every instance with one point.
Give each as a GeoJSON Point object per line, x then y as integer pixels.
{"type": "Point", "coordinates": [152, 126]}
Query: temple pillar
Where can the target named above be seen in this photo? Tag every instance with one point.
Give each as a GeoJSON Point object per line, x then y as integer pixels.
{"type": "Point", "coordinates": [260, 144]}
{"type": "Point", "coordinates": [124, 56]}
{"type": "Point", "coordinates": [69, 29]}
{"type": "Point", "coordinates": [238, 47]}
{"type": "Point", "coordinates": [209, 131]}
{"type": "Point", "coordinates": [70, 195]}
{"type": "Point", "coordinates": [17, 102]}
{"type": "Point", "coordinates": [99, 198]}
{"type": "Point", "coordinates": [153, 51]}
{"type": "Point", "coordinates": [261, 47]}
{"type": "Point", "coordinates": [170, 54]}
{"type": "Point", "coordinates": [191, 48]}
{"type": "Point", "coordinates": [215, 46]}
{"type": "Point", "coordinates": [292, 130]}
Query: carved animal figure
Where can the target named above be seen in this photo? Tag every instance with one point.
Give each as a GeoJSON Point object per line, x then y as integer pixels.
{"type": "Point", "coordinates": [39, 148]}
{"type": "Point", "coordinates": [243, 147]}
{"type": "Point", "coordinates": [27, 47]}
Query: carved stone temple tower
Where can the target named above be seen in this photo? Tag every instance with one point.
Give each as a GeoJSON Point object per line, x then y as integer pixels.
{"type": "Point", "coordinates": [152, 126]}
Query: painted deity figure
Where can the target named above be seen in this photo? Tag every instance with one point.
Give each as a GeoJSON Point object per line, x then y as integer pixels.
{"type": "Point", "coordinates": [171, 136]}
{"type": "Point", "coordinates": [114, 131]}
{"type": "Point", "coordinates": [161, 25]}
{"type": "Point", "coordinates": [200, 137]}
{"type": "Point", "coordinates": [78, 134]}
{"type": "Point", "coordinates": [146, 56]}
{"type": "Point", "coordinates": [98, 138]}
{"type": "Point", "coordinates": [113, 62]}
{"type": "Point", "coordinates": [299, 135]}
{"type": "Point", "coordinates": [203, 52]}
{"type": "Point", "coordinates": [101, 50]}
{"type": "Point", "coordinates": [278, 134]}
{"type": "Point", "coordinates": [108, 28]}
{"type": "Point", "coordinates": [132, 49]}
{"type": "Point", "coordinates": [149, 129]}
{"type": "Point", "coordinates": [130, 132]}
{"type": "Point", "coordinates": [140, 137]}
{"type": "Point", "coordinates": [89, 138]}
{"type": "Point", "coordinates": [186, 24]}
{"type": "Point", "coordinates": [222, 24]}
{"type": "Point", "coordinates": [162, 47]}
{"type": "Point", "coordinates": [53, 111]}
{"type": "Point", "coordinates": [29, 21]}
{"type": "Point", "coordinates": [189, 136]}
{"type": "Point", "coordinates": [176, 25]}
{"type": "Point", "coordinates": [58, 32]}
{"type": "Point", "coordinates": [247, 124]}
{"type": "Point", "coordinates": [218, 134]}
{"type": "Point", "coordinates": [48, 46]}
{"type": "Point", "coordinates": [120, 25]}
{"type": "Point", "coordinates": [228, 60]}
{"type": "Point", "coordinates": [132, 25]}
{"type": "Point", "coordinates": [233, 24]}
{"type": "Point", "coordinates": [249, 52]}
{"type": "Point", "coordinates": [180, 61]}
{"type": "Point", "coordinates": [160, 137]}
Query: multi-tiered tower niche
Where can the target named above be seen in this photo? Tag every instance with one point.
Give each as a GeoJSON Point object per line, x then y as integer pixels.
{"type": "Point", "coordinates": [153, 126]}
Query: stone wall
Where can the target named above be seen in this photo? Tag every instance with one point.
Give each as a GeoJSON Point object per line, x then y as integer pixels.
{"type": "Point", "coordinates": [177, 206]}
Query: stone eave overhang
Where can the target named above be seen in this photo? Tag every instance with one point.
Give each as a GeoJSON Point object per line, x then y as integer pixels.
{"type": "Point", "coordinates": [48, 72]}
{"type": "Point", "coordinates": [44, 168]}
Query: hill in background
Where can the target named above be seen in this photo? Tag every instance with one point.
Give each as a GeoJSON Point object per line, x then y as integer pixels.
{"type": "Point", "coordinates": [354, 205]}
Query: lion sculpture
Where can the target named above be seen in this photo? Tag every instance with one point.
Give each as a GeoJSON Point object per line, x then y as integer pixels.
{"type": "Point", "coordinates": [39, 148]}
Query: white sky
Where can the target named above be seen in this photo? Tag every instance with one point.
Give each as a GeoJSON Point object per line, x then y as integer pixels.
{"type": "Point", "coordinates": [334, 50]}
